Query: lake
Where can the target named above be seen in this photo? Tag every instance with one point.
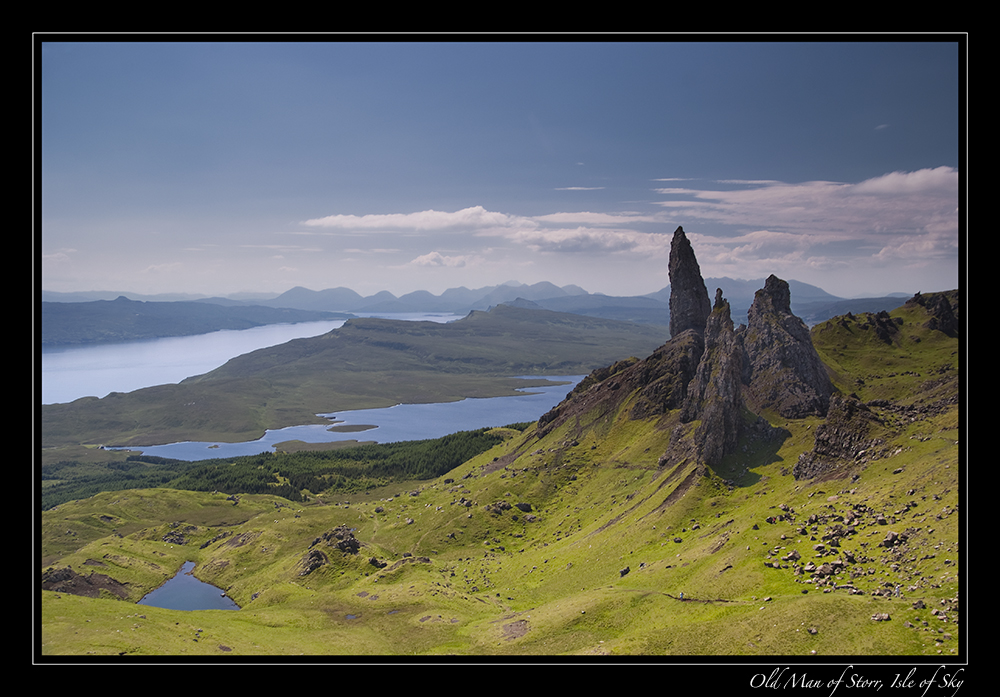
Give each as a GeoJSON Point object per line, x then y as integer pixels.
{"type": "Point", "coordinates": [185, 592]}
{"type": "Point", "coordinates": [71, 372]}
{"type": "Point", "coordinates": [391, 424]}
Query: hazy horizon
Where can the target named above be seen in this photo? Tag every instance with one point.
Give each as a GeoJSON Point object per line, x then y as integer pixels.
{"type": "Point", "coordinates": [217, 168]}
{"type": "Point", "coordinates": [272, 295]}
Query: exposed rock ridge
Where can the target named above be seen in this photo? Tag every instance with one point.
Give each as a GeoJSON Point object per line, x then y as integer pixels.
{"type": "Point", "coordinates": [844, 437]}
{"type": "Point", "coordinates": [714, 395]}
{"type": "Point", "coordinates": [689, 303]}
{"type": "Point", "coordinates": [942, 309]}
{"type": "Point", "coordinates": [782, 370]}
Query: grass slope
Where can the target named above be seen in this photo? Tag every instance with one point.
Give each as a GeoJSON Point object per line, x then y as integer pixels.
{"type": "Point", "coordinates": [594, 563]}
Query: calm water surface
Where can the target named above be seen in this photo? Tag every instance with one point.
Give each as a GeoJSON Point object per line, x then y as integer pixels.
{"type": "Point", "coordinates": [96, 370]}
{"type": "Point", "coordinates": [185, 592]}
{"type": "Point", "coordinates": [392, 424]}
{"type": "Point", "coordinates": [71, 373]}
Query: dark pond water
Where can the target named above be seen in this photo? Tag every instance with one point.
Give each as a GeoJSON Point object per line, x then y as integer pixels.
{"type": "Point", "coordinates": [185, 592]}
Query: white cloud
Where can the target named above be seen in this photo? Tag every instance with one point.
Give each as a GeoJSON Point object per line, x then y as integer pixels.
{"type": "Point", "coordinates": [899, 202]}
{"type": "Point", "coordinates": [589, 218]}
{"type": "Point", "coordinates": [937, 181]}
{"type": "Point", "coordinates": [475, 217]}
{"type": "Point", "coordinates": [590, 240]}
{"type": "Point", "coordinates": [907, 219]}
{"type": "Point", "coordinates": [58, 255]}
{"type": "Point", "coordinates": [437, 259]}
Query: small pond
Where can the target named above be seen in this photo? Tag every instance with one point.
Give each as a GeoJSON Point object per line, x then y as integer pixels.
{"type": "Point", "coordinates": [185, 592]}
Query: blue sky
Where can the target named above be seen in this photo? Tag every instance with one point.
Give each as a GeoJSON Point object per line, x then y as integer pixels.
{"type": "Point", "coordinates": [226, 167]}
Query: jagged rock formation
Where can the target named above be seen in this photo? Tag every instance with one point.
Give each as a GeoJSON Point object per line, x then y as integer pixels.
{"type": "Point", "coordinates": [658, 382]}
{"type": "Point", "coordinates": [710, 373]}
{"type": "Point", "coordinates": [663, 378]}
{"type": "Point", "coordinates": [689, 303]}
{"type": "Point", "coordinates": [782, 370]}
{"type": "Point", "coordinates": [885, 327]}
{"type": "Point", "coordinates": [943, 310]}
{"type": "Point", "coordinates": [843, 438]}
{"type": "Point", "coordinates": [715, 395]}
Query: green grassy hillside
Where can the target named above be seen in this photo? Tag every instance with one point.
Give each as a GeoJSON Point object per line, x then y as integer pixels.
{"type": "Point", "coordinates": [577, 542]}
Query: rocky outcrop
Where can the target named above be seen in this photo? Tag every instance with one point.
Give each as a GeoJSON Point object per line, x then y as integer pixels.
{"type": "Point", "coordinates": [689, 303]}
{"type": "Point", "coordinates": [659, 383]}
{"type": "Point", "coordinates": [943, 311]}
{"type": "Point", "coordinates": [710, 372]}
{"type": "Point", "coordinates": [714, 395]}
{"type": "Point", "coordinates": [341, 537]}
{"type": "Point", "coordinates": [66, 580]}
{"type": "Point", "coordinates": [782, 371]}
{"type": "Point", "coordinates": [313, 560]}
{"type": "Point", "coordinates": [844, 438]}
{"type": "Point", "coordinates": [663, 378]}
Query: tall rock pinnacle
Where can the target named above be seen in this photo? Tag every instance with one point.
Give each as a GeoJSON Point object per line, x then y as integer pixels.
{"type": "Point", "coordinates": [715, 395]}
{"type": "Point", "coordinates": [689, 303]}
{"type": "Point", "coordinates": [782, 370]}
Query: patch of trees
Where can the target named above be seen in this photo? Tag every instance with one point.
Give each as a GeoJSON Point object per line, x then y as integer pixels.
{"type": "Point", "coordinates": [346, 469]}
{"type": "Point", "coordinates": [282, 474]}
{"type": "Point", "coordinates": [69, 480]}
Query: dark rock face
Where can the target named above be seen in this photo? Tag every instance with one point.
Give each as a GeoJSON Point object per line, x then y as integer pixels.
{"type": "Point", "coordinates": [313, 560]}
{"type": "Point", "coordinates": [944, 313]}
{"type": "Point", "coordinates": [661, 380]}
{"type": "Point", "coordinates": [66, 580]}
{"type": "Point", "coordinates": [340, 537]}
{"type": "Point", "coordinates": [782, 370]}
{"type": "Point", "coordinates": [689, 303]}
{"type": "Point", "coordinates": [714, 394]}
{"type": "Point", "coordinates": [844, 438]}
{"type": "Point", "coordinates": [664, 376]}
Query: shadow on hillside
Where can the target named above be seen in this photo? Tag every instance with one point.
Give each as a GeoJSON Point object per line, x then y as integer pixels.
{"type": "Point", "coordinates": [738, 469]}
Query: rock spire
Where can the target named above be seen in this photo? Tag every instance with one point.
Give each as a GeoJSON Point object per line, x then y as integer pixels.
{"type": "Point", "coordinates": [689, 303]}
{"type": "Point", "coordinates": [781, 369]}
{"type": "Point", "coordinates": [714, 395]}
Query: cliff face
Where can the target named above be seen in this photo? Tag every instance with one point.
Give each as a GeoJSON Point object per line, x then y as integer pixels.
{"type": "Point", "coordinates": [714, 395]}
{"type": "Point", "coordinates": [782, 370]}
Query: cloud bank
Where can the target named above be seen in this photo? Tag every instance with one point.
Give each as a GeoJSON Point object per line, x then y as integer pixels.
{"type": "Point", "coordinates": [744, 228]}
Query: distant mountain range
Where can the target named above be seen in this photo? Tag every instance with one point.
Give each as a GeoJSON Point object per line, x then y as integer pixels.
{"type": "Point", "coordinates": [103, 321]}
{"type": "Point", "coordinates": [809, 302]}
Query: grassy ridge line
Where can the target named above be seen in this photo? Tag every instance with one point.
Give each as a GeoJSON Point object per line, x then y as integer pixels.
{"type": "Point", "coordinates": [366, 364]}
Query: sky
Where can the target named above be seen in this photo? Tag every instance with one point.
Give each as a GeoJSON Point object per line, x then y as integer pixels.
{"type": "Point", "coordinates": [235, 166]}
